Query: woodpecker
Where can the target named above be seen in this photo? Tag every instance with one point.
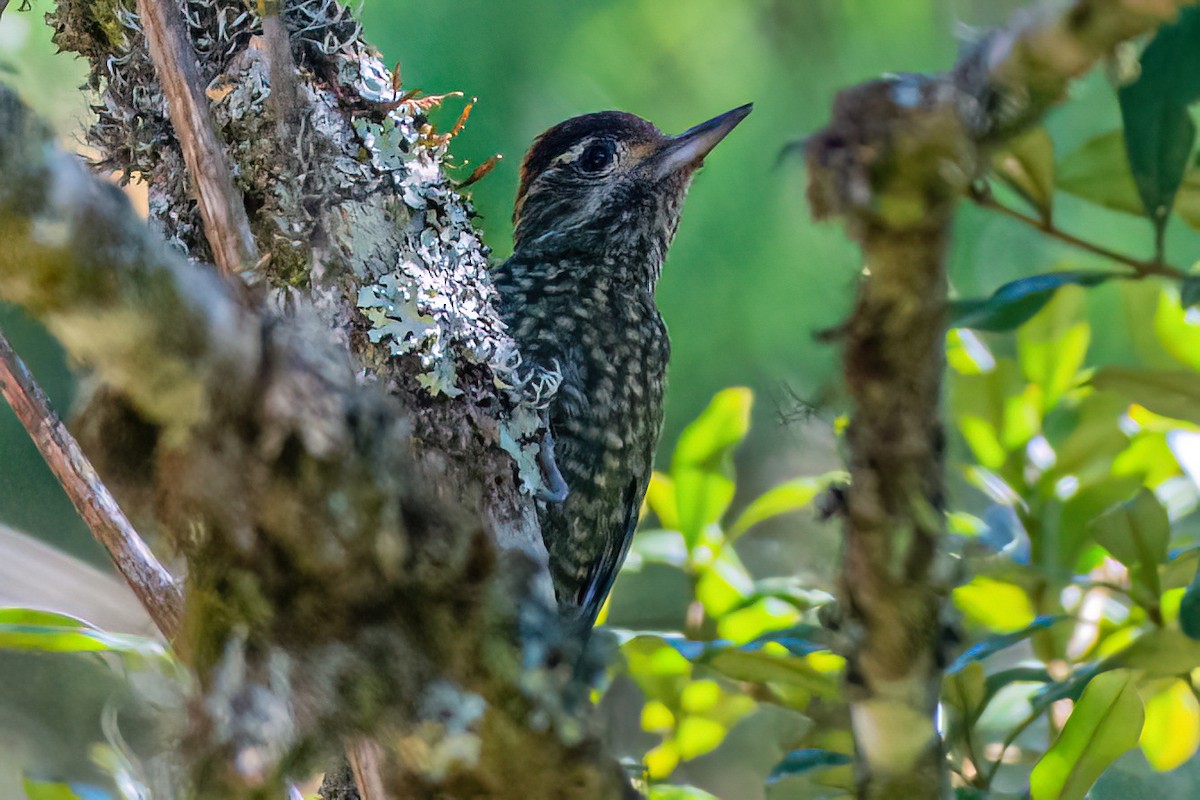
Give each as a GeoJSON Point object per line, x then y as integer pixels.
{"type": "Point", "coordinates": [598, 204]}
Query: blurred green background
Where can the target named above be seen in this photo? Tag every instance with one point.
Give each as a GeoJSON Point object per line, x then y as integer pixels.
{"type": "Point", "coordinates": [750, 277]}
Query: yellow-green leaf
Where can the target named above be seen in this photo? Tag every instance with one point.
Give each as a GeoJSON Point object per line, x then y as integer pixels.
{"type": "Point", "coordinates": [1105, 723]}
{"type": "Point", "coordinates": [1171, 734]}
{"type": "Point", "coordinates": [1003, 607]}
{"type": "Point", "coordinates": [783, 499]}
{"type": "Point", "coordinates": [702, 466]}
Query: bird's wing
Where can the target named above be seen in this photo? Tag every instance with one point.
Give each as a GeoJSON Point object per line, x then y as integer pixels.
{"type": "Point", "coordinates": [603, 572]}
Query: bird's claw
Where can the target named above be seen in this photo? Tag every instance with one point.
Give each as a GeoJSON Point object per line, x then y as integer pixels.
{"type": "Point", "coordinates": [553, 488]}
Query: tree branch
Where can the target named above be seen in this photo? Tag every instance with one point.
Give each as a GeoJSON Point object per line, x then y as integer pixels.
{"type": "Point", "coordinates": [151, 582]}
{"type": "Point", "coordinates": [1142, 268]}
{"type": "Point", "coordinates": [896, 158]}
{"type": "Point", "coordinates": [221, 206]}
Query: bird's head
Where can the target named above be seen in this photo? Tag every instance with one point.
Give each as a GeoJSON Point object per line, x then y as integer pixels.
{"type": "Point", "coordinates": [610, 184]}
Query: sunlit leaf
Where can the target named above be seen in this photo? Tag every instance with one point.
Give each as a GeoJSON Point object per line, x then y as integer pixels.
{"type": "Point", "coordinates": [1015, 303]}
{"type": "Point", "coordinates": [660, 497]}
{"type": "Point", "coordinates": [48, 632]}
{"type": "Point", "coordinates": [762, 667]}
{"type": "Point", "coordinates": [697, 736]}
{"type": "Point", "coordinates": [1177, 330]}
{"type": "Point", "coordinates": [660, 762]}
{"type": "Point", "coordinates": [785, 498]}
{"type": "Point", "coordinates": [799, 762]}
{"type": "Point", "coordinates": [760, 617]}
{"type": "Point", "coordinates": [1105, 723]}
{"type": "Point", "coordinates": [724, 584]}
{"type": "Point", "coordinates": [700, 696]}
{"type": "Point", "coordinates": [1171, 734]}
{"type": "Point", "coordinates": [1159, 132]}
{"type": "Point", "coordinates": [657, 717]}
{"type": "Point", "coordinates": [1052, 346]}
{"type": "Point", "coordinates": [702, 466]}
{"type": "Point", "coordinates": [47, 790]}
{"type": "Point", "coordinates": [664, 792]}
{"type": "Point", "coordinates": [1026, 164]}
{"type": "Point", "coordinates": [1000, 606]}
{"type": "Point", "coordinates": [1174, 394]}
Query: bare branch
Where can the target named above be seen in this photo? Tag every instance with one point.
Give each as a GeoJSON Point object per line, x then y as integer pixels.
{"type": "Point", "coordinates": [1142, 268]}
{"type": "Point", "coordinates": [151, 582]}
{"type": "Point", "coordinates": [894, 162]}
{"type": "Point", "coordinates": [225, 224]}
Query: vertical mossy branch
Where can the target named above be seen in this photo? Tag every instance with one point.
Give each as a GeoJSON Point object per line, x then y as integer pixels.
{"type": "Point", "coordinates": [893, 162]}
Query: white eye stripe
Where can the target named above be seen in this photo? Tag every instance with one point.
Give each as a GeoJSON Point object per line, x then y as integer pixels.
{"type": "Point", "coordinates": [574, 154]}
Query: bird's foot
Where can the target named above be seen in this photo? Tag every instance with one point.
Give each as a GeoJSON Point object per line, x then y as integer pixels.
{"type": "Point", "coordinates": [553, 488]}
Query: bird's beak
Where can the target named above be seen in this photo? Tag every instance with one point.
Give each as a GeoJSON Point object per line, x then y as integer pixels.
{"type": "Point", "coordinates": [688, 149]}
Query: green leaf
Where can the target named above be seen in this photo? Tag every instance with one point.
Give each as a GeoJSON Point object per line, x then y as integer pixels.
{"type": "Point", "coordinates": [966, 691]}
{"type": "Point", "coordinates": [798, 762]}
{"type": "Point", "coordinates": [1006, 677]}
{"type": "Point", "coordinates": [724, 584]}
{"type": "Point", "coordinates": [1136, 533]}
{"type": "Point", "coordinates": [762, 667]}
{"type": "Point", "coordinates": [661, 791]}
{"type": "Point", "coordinates": [1189, 609]}
{"type": "Point", "coordinates": [1159, 133]}
{"type": "Point", "coordinates": [1189, 292]}
{"type": "Point", "coordinates": [702, 465]}
{"type": "Point", "coordinates": [1177, 335]}
{"type": "Point", "coordinates": [1099, 172]}
{"type": "Point", "coordinates": [1171, 734]}
{"type": "Point", "coordinates": [1051, 347]}
{"type": "Point", "coordinates": [1016, 302]}
{"type": "Point", "coordinates": [1104, 724]}
{"type": "Point", "coordinates": [996, 604]}
{"type": "Point", "coordinates": [49, 632]}
{"type": "Point", "coordinates": [1171, 393]}
{"type": "Point", "coordinates": [1161, 653]}
{"type": "Point", "coordinates": [1026, 165]}
{"type": "Point", "coordinates": [48, 790]}
{"type": "Point", "coordinates": [784, 499]}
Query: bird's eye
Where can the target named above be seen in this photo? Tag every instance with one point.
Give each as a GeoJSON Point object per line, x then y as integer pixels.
{"type": "Point", "coordinates": [597, 157]}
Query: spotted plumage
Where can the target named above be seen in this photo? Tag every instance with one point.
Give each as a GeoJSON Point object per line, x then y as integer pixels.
{"type": "Point", "coordinates": [598, 205]}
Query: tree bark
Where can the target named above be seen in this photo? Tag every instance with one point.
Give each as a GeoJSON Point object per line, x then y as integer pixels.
{"type": "Point", "coordinates": [894, 161]}
{"type": "Point", "coordinates": [339, 436]}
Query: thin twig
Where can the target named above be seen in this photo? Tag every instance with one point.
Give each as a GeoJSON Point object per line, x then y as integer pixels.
{"type": "Point", "coordinates": [149, 580]}
{"type": "Point", "coordinates": [1141, 267]}
{"type": "Point", "coordinates": [225, 223]}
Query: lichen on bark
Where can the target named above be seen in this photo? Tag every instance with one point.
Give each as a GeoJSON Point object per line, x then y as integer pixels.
{"type": "Point", "coordinates": [337, 441]}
